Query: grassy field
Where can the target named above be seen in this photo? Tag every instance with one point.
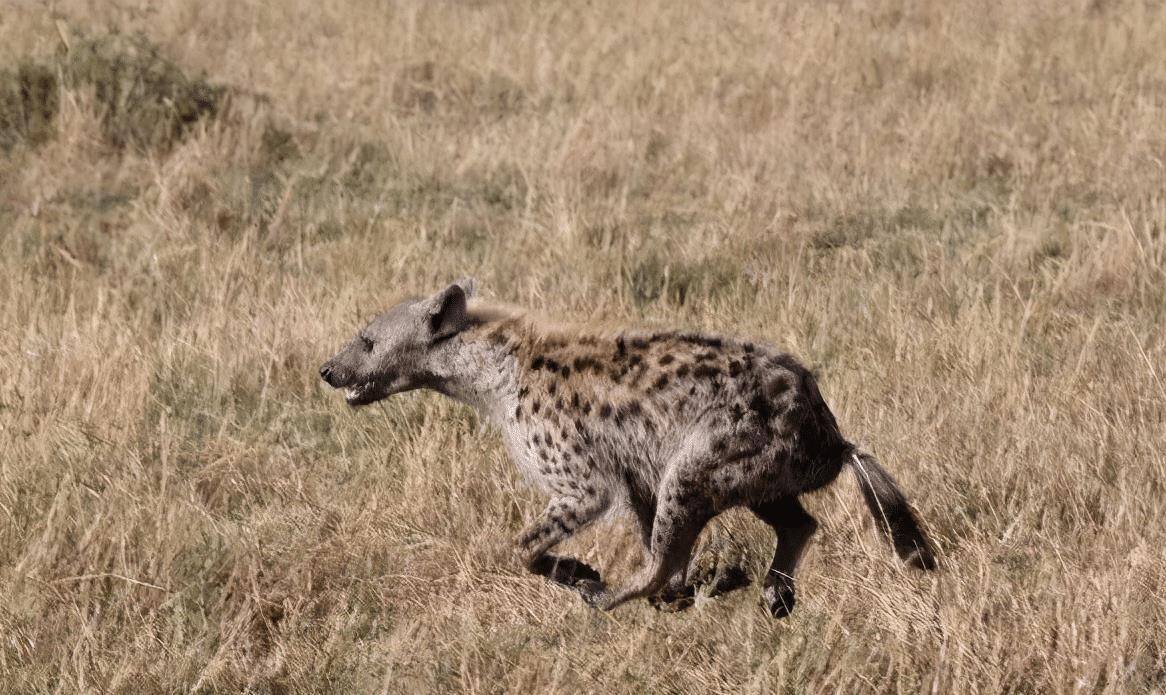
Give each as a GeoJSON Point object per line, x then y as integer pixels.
{"type": "Point", "coordinates": [954, 212]}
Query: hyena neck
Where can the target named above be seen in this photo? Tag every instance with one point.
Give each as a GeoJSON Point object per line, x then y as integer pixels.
{"type": "Point", "coordinates": [479, 368]}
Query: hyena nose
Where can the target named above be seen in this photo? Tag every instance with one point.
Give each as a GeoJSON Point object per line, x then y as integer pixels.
{"type": "Point", "coordinates": [326, 374]}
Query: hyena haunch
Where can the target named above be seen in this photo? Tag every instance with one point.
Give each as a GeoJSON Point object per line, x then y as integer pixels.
{"type": "Point", "coordinates": [677, 427]}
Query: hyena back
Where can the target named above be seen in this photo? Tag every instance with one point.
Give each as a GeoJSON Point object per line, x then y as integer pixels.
{"type": "Point", "coordinates": [675, 427]}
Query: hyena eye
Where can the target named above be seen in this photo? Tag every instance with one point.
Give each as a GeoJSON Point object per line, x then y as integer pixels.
{"type": "Point", "coordinates": [367, 343]}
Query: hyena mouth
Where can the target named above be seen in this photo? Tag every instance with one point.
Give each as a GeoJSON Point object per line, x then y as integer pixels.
{"type": "Point", "coordinates": [363, 394]}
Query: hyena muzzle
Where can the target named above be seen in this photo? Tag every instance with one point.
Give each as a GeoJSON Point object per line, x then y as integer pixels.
{"type": "Point", "coordinates": [674, 427]}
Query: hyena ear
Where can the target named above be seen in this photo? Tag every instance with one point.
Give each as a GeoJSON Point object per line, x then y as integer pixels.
{"type": "Point", "coordinates": [468, 285]}
{"type": "Point", "coordinates": [447, 310]}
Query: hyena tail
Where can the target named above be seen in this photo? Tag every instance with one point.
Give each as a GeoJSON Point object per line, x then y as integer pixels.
{"type": "Point", "coordinates": [891, 512]}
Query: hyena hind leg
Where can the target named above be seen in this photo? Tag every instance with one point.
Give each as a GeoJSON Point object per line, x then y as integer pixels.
{"type": "Point", "coordinates": [562, 518]}
{"type": "Point", "coordinates": [677, 595]}
{"type": "Point", "coordinates": [794, 526]}
{"type": "Point", "coordinates": [715, 568]}
{"type": "Point", "coordinates": [675, 528]}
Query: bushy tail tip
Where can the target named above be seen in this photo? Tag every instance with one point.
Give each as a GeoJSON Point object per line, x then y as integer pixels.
{"type": "Point", "coordinates": [891, 512]}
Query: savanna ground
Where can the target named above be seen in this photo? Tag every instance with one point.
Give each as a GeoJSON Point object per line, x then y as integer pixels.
{"type": "Point", "coordinates": [955, 212]}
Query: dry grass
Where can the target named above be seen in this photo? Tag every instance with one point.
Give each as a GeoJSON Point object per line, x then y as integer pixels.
{"type": "Point", "coordinates": [956, 212]}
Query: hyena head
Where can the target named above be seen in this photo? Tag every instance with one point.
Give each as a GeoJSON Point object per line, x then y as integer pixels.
{"type": "Point", "coordinates": [397, 350]}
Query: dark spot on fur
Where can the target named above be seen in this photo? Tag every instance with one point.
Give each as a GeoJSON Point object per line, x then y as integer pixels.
{"type": "Point", "coordinates": [635, 360]}
{"type": "Point", "coordinates": [705, 371]}
{"type": "Point", "coordinates": [559, 404]}
{"type": "Point", "coordinates": [630, 409]}
{"type": "Point", "coordinates": [587, 408]}
{"type": "Point", "coordinates": [639, 343]}
{"type": "Point", "coordinates": [706, 356]}
{"type": "Point", "coordinates": [666, 360]}
{"type": "Point", "coordinates": [552, 388]}
{"type": "Point", "coordinates": [735, 368]}
{"type": "Point", "coordinates": [660, 382]}
{"type": "Point", "coordinates": [621, 348]}
{"type": "Point", "coordinates": [552, 365]}
{"type": "Point", "coordinates": [534, 407]}
{"type": "Point", "coordinates": [784, 361]}
{"type": "Point", "coordinates": [682, 371]}
{"type": "Point", "coordinates": [523, 391]}
{"type": "Point", "coordinates": [762, 407]}
{"type": "Point", "coordinates": [565, 371]}
{"type": "Point", "coordinates": [518, 412]}
{"type": "Point", "coordinates": [737, 411]}
{"type": "Point", "coordinates": [575, 400]}
{"type": "Point", "coordinates": [633, 408]}
{"type": "Point", "coordinates": [583, 364]}
{"type": "Point", "coordinates": [537, 363]}
{"type": "Point", "coordinates": [697, 339]}
{"type": "Point", "coordinates": [779, 386]}
{"type": "Point", "coordinates": [605, 411]}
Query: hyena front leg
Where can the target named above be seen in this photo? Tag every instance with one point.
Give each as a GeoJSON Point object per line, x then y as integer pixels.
{"type": "Point", "coordinates": [563, 517]}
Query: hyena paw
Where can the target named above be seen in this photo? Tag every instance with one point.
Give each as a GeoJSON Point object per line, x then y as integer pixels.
{"type": "Point", "coordinates": [674, 599]}
{"type": "Point", "coordinates": [779, 599]}
{"type": "Point", "coordinates": [593, 591]}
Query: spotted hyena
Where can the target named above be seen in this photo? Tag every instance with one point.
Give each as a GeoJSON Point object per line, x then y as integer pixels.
{"type": "Point", "coordinates": [673, 426]}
